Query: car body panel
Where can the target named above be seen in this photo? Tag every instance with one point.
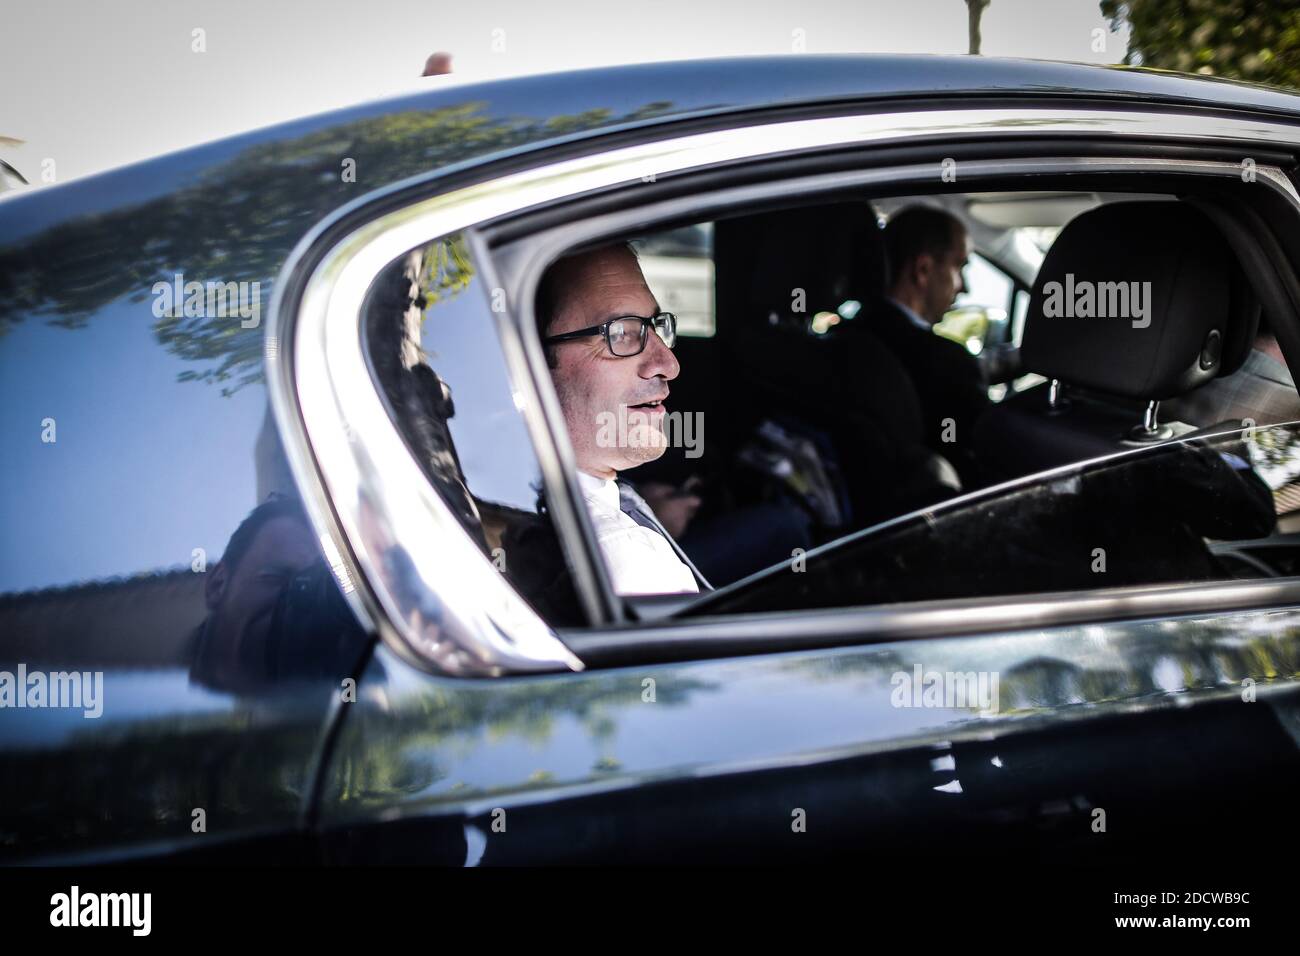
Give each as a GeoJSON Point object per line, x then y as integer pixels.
{"type": "Point", "coordinates": [452, 757]}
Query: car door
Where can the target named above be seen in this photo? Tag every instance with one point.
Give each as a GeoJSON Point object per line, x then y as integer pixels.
{"type": "Point", "coordinates": [520, 711]}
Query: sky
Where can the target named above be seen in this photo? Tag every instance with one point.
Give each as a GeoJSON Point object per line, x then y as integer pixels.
{"type": "Point", "coordinates": [93, 84]}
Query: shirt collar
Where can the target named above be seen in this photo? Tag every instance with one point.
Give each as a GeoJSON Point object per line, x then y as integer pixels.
{"type": "Point", "coordinates": [602, 490]}
{"type": "Point", "coordinates": [912, 317]}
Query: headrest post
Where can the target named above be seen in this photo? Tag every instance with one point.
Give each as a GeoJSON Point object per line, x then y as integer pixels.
{"type": "Point", "coordinates": [1056, 400]}
{"type": "Point", "coordinates": [1150, 417]}
{"type": "Point", "coordinates": [1150, 430]}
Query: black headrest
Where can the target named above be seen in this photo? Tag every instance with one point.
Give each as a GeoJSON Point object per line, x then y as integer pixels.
{"type": "Point", "coordinates": [833, 252]}
{"type": "Point", "coordinates": [1139, 299]}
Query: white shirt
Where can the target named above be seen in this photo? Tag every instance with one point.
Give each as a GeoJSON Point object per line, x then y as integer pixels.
{"type": "Point", "coordinates": [640, 561]}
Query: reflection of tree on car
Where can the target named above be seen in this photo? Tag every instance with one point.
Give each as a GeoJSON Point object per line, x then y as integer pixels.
{"type": "Point", "coordinates": [275, 188]}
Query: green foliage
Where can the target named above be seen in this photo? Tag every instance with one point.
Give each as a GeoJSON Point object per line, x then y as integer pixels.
{"type": "Point", "coordinates": [447, 270]}
{"type": "Point", "coordinates": [1235, 39]}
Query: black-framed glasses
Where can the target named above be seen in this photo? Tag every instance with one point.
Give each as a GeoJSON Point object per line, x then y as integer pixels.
{"type": "Point", "coordinates": [626, 335]}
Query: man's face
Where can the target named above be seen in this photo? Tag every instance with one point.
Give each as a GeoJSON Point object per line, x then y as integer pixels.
{"type": "Point", "coordinates": [613, 406]}
{"type": "Point", "coordinates": [945, 280]}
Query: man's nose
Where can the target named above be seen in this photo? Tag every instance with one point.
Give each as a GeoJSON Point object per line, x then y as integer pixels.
{"type": "Point", "coordinates": [658, 359]}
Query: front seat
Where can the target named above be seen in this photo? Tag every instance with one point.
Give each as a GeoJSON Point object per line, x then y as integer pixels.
{"type": "Point", "coordinates": [1135, 303]}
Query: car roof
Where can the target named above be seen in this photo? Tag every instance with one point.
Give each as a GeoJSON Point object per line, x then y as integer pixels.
{"type": "Point", "coordinates": [290, 172]}
{"type": "Point", "coordinates": [555, 106]}
{"type": "Point", "coordinates": [739, 83]}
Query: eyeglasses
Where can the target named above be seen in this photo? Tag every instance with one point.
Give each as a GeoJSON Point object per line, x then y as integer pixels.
{"type": "Point", "coordinates": [627, 335]}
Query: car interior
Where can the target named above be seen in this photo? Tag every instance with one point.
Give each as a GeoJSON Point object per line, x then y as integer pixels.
{"type": "Point", "coordinates": [1063, 392]}
{"type": "Point", "coordinates": [815, 443]}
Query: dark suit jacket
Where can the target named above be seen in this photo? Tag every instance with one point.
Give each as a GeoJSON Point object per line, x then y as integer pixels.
{"type": "Point", "coordinates": [947, 379]}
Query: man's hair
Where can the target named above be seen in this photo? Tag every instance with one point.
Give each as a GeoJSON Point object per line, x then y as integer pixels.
{"type": "Point", "coordinates": [552, 290]}
{"type": "Point", "coordinates": [277, 506]}
{"type": "Point", "coordinates": [919, 230]}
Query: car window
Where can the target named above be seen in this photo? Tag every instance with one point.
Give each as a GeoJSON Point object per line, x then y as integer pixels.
{"type": "Point", "coordinates": [818, 409]}
{"type": "Point", "coordinates": [1220, 508]}
{"type": "Point", "coordinates": [980, 315]}
{"type": "Point", "coordinates": [678, 266]}
{"type": "Point", "coordinates": [432, 341]}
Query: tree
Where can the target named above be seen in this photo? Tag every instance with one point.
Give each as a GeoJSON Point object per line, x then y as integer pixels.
{"type": "Point", "coordinates": [1234, 39]}
{"type": "Point", "coordinates": [975, 10]}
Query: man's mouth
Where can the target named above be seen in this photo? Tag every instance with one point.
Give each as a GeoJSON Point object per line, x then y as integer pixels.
{"type": "Point", "coordinates": [656, 405]}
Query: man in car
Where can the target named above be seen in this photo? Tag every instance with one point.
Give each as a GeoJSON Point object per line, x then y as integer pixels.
{"type": "Point", "coordinates": [927, 249]}
{"type": "Point", "coordinates": [609, 348]}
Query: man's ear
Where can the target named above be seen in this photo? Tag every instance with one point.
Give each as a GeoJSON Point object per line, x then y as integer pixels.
{"type": "Point", "coordinates": [214, 588]}
{"type": "Point", "coordinates": [922, 269]}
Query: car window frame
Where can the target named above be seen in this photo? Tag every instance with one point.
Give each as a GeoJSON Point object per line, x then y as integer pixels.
{"type": "Point", "coordinates": [806, 190]}
{"type": "Point", "coordinates": [662, 609]}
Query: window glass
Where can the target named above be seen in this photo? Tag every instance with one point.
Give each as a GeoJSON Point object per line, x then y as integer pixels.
{"type": "Point", "coordinates": [678, 267]}
{"type": "Point", "coordinates": [433, 344]}
{"type": "Point", "coordinates": [784, 438]}
{"type": "Point", "coordinates": [1202, 510]}
{"type": "Point", "coordinates": [1018, 313]}
{"type": "Point", "coordinates": [979, 316]}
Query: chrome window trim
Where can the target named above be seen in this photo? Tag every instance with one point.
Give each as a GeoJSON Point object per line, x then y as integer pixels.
{"type": "Point", "coordinates": [727, 635]}
{"type": "Point", "coordinates": [450, 608]}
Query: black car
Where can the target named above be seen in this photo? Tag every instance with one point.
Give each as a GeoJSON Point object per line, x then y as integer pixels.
{"type": "Point", "coordinates": [296, 567]}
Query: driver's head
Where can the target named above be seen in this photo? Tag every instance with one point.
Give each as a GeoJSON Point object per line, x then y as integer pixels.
{"type": "Point", "coordinates": [613, 405]}
{"type": "Point", "coordinates": [927, 249]}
